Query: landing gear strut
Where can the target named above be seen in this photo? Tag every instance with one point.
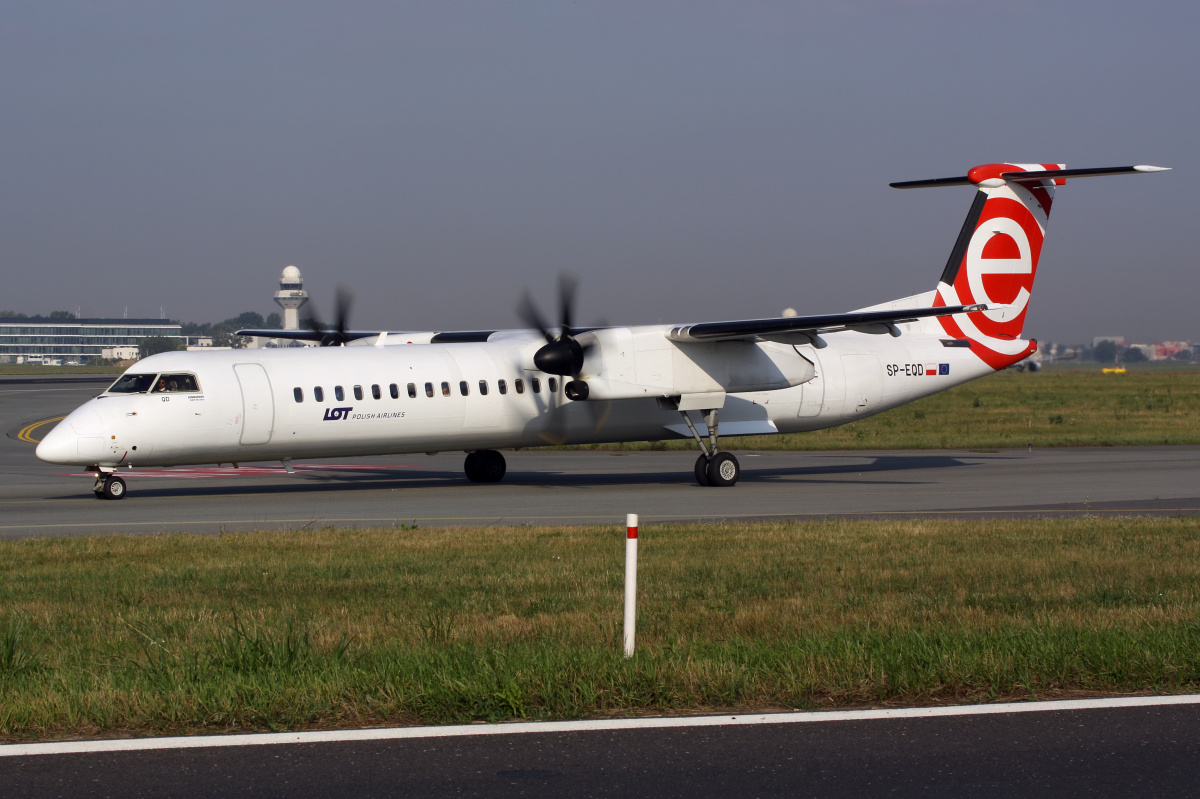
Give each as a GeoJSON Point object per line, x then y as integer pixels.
{"type": "Point", "coordinates": [485, 466]}
{"type": "Point", "coordinates": [109, 486]}
{"type": "Point", "coordinates": [713, 467]}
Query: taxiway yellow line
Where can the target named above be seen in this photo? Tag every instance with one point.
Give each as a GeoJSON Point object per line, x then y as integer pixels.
{"type": "Point", "coordinates": [26, 433]}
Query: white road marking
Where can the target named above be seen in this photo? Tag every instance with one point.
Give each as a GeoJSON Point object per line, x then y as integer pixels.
{"type": "Point", "coordinates": [519, 728]}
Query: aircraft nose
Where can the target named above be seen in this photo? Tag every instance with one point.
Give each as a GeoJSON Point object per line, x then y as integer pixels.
{"type": "Point", "coordinates": [78, 439]}
{"type": "Point", "coordinates": [59, 445]}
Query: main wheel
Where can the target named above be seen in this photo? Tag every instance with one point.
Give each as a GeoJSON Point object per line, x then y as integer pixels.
{"type": "Point", "coordinates": [702, 470]}
{"type": "Point", "coordinates": [723, 470]}
{"type": "Point", "coordinates": [485, 466]}
{"type": "Point", "coordinates": [491, 466]}
{"type": "Point", "coordinates": [114, 488]}
{"type": "Point", "coordinates": [471, 466]}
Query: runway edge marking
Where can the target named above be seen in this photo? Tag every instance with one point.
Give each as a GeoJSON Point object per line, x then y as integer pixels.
{"type": "Point", "coordinates": [517, 728]}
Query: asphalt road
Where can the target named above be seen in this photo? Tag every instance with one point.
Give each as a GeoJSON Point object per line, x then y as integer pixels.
{"type": "Point", "coordinates": [38, 499]}
{"type": "Point", "coordinates": [1135, 752]}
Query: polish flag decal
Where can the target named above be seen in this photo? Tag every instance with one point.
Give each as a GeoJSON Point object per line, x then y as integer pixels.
{"type": "Point", "coordinates": [931, 369]}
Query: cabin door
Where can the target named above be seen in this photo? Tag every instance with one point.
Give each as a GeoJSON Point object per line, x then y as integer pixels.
{"type": "Point", "coordinates": [258, 408]}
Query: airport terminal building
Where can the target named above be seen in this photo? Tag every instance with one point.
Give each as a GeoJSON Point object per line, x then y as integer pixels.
{"type": "Point", "coordinates": [44, 340]}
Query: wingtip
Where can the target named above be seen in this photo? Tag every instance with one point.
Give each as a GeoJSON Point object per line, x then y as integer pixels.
{"type": "Point", "coordinates": [1147, 168]}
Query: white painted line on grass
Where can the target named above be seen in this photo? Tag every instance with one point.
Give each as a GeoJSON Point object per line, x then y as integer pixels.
{"type": "Point", "coordinates": [516, 728]}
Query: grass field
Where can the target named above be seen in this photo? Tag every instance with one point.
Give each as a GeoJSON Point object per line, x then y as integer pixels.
{"type": "Point", "coordinates": [270, 631]}
{"type": "Point", "coordinates": [1051, 408]}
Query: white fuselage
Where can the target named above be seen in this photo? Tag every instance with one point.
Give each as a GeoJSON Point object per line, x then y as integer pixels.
{"type": "Point", "coordinates": [255, 405]}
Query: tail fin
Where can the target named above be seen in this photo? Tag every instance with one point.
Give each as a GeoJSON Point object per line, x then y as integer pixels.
{"type": "Point", "coordinates": [995, 259]}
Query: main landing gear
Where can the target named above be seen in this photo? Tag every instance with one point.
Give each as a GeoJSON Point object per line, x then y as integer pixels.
{"type": "Point", "coordinates": [485, 466]}
{"type": "Point", "coordinates": [109, 486]}
{"type": "Point", "coordinates": [713, 467]}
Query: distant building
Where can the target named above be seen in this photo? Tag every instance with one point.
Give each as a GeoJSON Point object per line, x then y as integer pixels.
{"type": "Point", "coordinates": [119, 353]}
{"type": "Point", "coordinates": [1168, 349]}
{"type": "Point", "coordinates": [41, 340]}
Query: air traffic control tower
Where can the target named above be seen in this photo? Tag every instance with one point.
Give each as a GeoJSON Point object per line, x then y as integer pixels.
{"type": "Point", "coordinates": [290, 297]}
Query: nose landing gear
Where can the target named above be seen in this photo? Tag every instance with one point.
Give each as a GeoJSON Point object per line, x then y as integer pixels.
{"type": "Point", "coordinates": [109, 486]}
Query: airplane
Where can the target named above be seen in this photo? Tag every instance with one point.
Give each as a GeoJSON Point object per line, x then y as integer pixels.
{"type": "Point", "coordinates": [373, 392]}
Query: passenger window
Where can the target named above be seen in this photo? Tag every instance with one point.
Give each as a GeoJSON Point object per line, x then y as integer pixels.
{"type": "Point", "coordinates": [298, 393]}
{"type": "Point", "coordinates": [463, 388]}
{"type": "Point", "coordinates": [445, 389]}
{"type": "Point", "coordinates": [395, 389]}
{"type": "Point", "coordinates": [483, 387]}
{"type": "Point", "coordinates": [553, 385]}
{"type": "Point", "coordinates": [429, 389]}
{"type": "Point", "coordinates": [375, 391]}
{"type": "Point", "coordinates": [358, 392]}
{"type": "Point", "coordinates": [536, 385]}
{"type": "Point", "coordinates": [318, 394]}
{"type": "Point", "coordinates": [412, 390]}
{"type": "Point", "coordinates": [338, 394]}
{"type": "Point", "coordinates": [519, 384]}
{"type": "Point", "coordinates": [502, 386]}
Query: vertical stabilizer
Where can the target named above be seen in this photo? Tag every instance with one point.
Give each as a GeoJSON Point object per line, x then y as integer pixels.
{"type": "Point", "coordinates": [995, 258]}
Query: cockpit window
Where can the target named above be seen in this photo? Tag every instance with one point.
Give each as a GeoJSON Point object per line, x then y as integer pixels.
{"type": "Point", "coordinates": [131, 384]}
{"type": "Point", "coordinates": [176, 383]}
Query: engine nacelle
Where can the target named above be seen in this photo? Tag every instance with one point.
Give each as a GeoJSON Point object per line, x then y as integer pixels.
{"type": "Point", "coordinates": [624, 363]}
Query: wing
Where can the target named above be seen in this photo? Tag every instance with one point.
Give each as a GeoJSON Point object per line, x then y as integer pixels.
{"type": "Point", "coordinates": [793, 328]}
{"type": "Point", "coordinates": [308, 335]}
{"type": "Point", "coordinates": [328, 337]}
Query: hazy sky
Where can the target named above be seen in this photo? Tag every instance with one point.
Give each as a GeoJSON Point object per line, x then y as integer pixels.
{"type": "Point", "coordinates": [688, 160]}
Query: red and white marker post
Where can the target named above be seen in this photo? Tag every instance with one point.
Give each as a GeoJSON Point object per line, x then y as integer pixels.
{"type": "Point", "coordinates": [631, 533]}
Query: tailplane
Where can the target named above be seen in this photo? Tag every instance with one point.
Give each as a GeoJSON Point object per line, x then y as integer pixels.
{"type": "Point", "coordinates": [995, 258]}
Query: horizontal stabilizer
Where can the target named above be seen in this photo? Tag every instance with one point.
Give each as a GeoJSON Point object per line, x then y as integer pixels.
{"type": "Point", "coordinates": [962, 180]}
{"type": "Point", "coordinates": [979, 174]}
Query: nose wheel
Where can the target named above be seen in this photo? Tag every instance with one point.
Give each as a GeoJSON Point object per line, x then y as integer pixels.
{"type": "Point", "coordinates": [109, 486]}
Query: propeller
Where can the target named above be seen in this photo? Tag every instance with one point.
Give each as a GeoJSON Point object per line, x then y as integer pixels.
{"type": "Point", "coordinates": [335, 336]}
{"type": "Point", "coordinates": [562, 353]}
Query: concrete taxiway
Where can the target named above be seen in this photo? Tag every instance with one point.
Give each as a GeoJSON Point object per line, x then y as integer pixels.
{"type": "Point", "coordinates": [38, 499]}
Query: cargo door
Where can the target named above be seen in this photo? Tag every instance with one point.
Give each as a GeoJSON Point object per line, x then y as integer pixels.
{"type": "Point", "coordinates": [864, 383]}
{"type": "Point", "coordinates": [258, 407]}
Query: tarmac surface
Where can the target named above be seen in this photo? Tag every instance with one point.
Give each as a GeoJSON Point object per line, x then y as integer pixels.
{"type": "Point", "coordinates": [1135, 752]}
{"type": "Point", "coordinates": [551, 487]}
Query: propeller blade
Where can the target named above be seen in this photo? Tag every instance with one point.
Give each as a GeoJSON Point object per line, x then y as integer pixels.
{"type": "Point", "coordinates": [568, 284]}
{"type": "Point", "coordinates": [532, 317]}
{"type": "Point", "coordinates": [335, 335]}
{"type": "Point", "coordinates": [342, 302]}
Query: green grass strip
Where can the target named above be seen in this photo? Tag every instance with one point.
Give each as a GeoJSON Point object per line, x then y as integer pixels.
{"type": "Point", "coordinates": [291, 630]}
